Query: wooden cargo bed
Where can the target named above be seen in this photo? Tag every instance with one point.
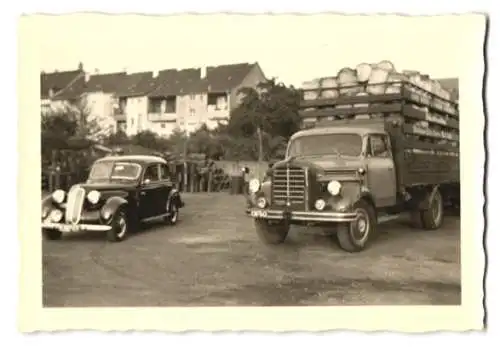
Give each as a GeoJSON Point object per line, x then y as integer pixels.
{"type": "Point", "coordinates": [424, 129]}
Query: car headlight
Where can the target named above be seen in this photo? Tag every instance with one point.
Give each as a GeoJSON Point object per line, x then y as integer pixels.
{"type": "Point", "coordinates": [56, 216]}
{"type": "Point", "coordinates": [58, 196]}
{"type": "Point", "coordinates": [320, 204]}
{"type": "Point", "coordinates": [261, 202]}
{"type": "Point", "coordinates": [45, 212]}
{"type": "Point", "coordinates": [93, 196]}
{"type": "Point", "coordinates": [254, 185]}
{"type": "Point", "coordinates": [334, 187]}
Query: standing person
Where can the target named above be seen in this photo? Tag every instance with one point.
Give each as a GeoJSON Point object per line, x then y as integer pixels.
{"type": "Point", "coordinates": [246, 179]}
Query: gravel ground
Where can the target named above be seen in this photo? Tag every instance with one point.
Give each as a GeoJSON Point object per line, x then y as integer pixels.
{"type": "Point", "coordinates": [213, 258]}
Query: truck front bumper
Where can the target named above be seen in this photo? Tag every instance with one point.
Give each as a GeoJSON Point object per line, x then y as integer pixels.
{"type": "Point", "coordinates": [73, 228]}
{"type": "Point", "coordinates": [302, 216]}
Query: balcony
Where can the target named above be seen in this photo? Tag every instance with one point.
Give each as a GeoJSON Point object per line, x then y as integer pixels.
{"type": "Point", "coordinates": [162, 117]}
{"type": "Point", "coordinates": [217, 114]}
{"type": "Point", "coordinates": [119, 114]}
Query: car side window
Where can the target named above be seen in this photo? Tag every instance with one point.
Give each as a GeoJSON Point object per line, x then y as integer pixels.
{"type": "Point", "coordinates": [164, 172]}
{"type": "Point", "coordinates": [151, 173]}
{"type": "Point", "coordinates": [379, 146]}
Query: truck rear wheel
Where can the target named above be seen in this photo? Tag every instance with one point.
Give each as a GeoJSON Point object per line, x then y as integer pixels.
{"type": "Point", "coordinates": [432, 218]}
{"type": "Point", "coordinates": [271, 234]}
{"type": "Point", "coordinates": [356, 235]}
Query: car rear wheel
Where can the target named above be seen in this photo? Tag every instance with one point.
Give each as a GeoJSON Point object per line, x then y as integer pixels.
{"type": "Point", "coordinates": [173, 216]}
{"type": "Point", "coordinates": [119, 227]}
{"type": "Point", "coordinates": [52, 234]}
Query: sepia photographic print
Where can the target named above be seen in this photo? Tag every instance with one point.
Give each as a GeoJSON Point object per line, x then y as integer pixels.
{"type": "Point", "coordinates": [212, 172]}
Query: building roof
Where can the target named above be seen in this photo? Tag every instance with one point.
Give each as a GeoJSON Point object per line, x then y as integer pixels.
{"type": "Point", "coordinates": [218, 79]}
{"type": "Point", "coordinates": [57, 81]}
{"type": "Point", "coordinates": [107, 83]}
{"type": "Point", "coordinates": [71, 84]}
{"type": "Point", "coordinates": [136, 84]}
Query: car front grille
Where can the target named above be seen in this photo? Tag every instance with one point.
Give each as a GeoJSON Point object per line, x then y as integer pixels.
{"type": "Point", "coordinates": [289, 186]}
{"type": "Point", "coordinates": [74, 205]}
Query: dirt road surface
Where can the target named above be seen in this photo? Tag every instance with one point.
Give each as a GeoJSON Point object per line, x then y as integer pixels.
{"type": "Point", "coordinates": [213, 258]}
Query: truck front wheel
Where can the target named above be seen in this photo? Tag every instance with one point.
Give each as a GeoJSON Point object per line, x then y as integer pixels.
{"type": "Point", "coordinates": [271, 234]}
{"type": "Point", "coordinates": [355, 236]}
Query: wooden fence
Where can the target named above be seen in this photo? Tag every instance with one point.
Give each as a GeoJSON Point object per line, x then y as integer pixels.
{"type": "Point", "coordinates": [221, 176]}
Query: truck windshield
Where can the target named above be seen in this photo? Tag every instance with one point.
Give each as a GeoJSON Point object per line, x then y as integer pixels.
{"type": "Point", "coordinates": [337, 144]}
{"type": "Point", "coordinates": [114, 171]}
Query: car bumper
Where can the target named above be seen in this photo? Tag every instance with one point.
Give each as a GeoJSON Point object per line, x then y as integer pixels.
{"type": "Point", "coordinates": [302, 216]}
{"type": "Point", "coordinates": [72, 228]}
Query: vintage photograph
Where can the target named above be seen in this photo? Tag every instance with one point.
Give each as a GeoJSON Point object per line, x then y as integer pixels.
{"type": "Point", "coordinates": [193, 170]}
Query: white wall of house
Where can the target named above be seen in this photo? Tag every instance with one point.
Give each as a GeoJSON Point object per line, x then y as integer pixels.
{"type": "Point", "coordinates": [100, 106]}
{"type": "Point", "coordinates": [136, 112]}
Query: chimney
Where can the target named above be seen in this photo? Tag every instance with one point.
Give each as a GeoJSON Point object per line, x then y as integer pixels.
{"type": "Point", "coordinates": [96, 71]}
{"type": "Point", "coordinates": [203, 72]}
{"type": "Point", "coordinates": [155, 73]}
{"type": "Point", "coordinates": [80, 66]}
{"type": "Point", "coordinates": [87, 77]}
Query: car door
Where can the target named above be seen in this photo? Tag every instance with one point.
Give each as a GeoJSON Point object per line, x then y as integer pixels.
{"type": "Point", "coordinates": [381, 170]}
{"type": "Point", "coordinates": [150, 191]}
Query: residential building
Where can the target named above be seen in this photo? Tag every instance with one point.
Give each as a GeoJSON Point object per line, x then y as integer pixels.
{"type": "Point", "coordinates": [52, 83]}
{"type": "Point", "coordinates": [159, 101]}
{"type": "Point", "coordinates": [131, 102]}
{"type": "Point", "coordinates": [200, 96]}
{"type": "Point", "coordinates": [95, 96]}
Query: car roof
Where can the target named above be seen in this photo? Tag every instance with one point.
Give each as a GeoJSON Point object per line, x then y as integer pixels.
{"type": "Point", "coordinates": [138, 159]}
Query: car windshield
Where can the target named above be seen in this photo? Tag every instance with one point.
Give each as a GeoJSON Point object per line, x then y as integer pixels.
{"type": "Point", "coordinates": [114, 171]}
{"type": "Point", "coordinates": [337, 144]}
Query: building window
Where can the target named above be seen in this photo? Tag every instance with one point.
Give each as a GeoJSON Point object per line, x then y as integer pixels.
{"type": "Point", "coordinates": [155, 105]}
{"type": "Point", "coordinates": [162, 125]}
{"type": "Point", "coordinates": [121, 125]}
{"type": "Point", "coordinates": [192, 96]}
{"type": "Point", "coordinates": [171, 102]}
{"type": "Point", "coordinates": [192, 112]}
{"type": "Point", "coordinates": [219, 101]}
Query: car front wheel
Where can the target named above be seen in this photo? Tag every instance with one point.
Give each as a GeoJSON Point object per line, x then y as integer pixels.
{"type": "Point", "coordinates": [119, 227]}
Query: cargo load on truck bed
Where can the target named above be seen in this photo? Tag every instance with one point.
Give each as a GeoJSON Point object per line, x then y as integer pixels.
{"type": "Point", "coordinates": [419, 114]}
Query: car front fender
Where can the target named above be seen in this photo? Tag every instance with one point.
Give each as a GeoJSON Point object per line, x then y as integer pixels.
{"type": "Point", "coordinates": [111, 205]}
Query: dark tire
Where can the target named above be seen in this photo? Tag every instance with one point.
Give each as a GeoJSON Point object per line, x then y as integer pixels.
{"type": "Point", "coordinates": [174, 214]}
{"type": "Point", "coordinates": [357, 235]}
{"type": "Point", "coordinates": [271, 234]}
{"type": "Point", "coordinates": [432, 218]}
{"type": "Point", "coordinates": [52, 234]}
{"type": "Point", "coordinates": [416, 219]}
{"type": "Point", "coordinates": [119, 227]}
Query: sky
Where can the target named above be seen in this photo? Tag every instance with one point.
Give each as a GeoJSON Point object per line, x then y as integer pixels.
{"type": "Point", "coordinates": [293, 48]}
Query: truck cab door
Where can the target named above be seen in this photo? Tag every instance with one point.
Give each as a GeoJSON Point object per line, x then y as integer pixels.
{"type": "Point", "coordinates": [381, 170]}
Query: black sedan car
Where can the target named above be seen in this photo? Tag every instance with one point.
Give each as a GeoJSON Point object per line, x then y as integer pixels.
{"type": "Point", "coordinates": [120, 193]}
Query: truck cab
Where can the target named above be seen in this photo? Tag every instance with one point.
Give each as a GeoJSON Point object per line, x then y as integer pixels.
{"type": "Point", "coordinates": [329, 175]}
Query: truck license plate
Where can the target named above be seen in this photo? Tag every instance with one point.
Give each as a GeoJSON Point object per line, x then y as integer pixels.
{"type": "Point", "coordinates": [258, 214]}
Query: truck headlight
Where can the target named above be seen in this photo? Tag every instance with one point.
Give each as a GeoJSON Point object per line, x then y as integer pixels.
{"type": "Point", "coordinates": [56, 216]}
{"type": "Point", "coordinates": [254, 185]}
{"type": "Point", "coordinates": [93, 196]}
{"type": "Point", "coordinates": [58, 196]}
{"type": "Point", "coordinates": [334, 187]}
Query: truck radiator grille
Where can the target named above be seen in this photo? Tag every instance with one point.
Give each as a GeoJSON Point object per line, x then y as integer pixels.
{"type": "Point", "coordinates": [289, 185]}
{"type": "Point", "coordinates": [74, 205]}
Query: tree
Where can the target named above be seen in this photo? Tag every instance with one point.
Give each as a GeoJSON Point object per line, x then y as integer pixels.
{"type": "Point", "coordinates": [267, 112]}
